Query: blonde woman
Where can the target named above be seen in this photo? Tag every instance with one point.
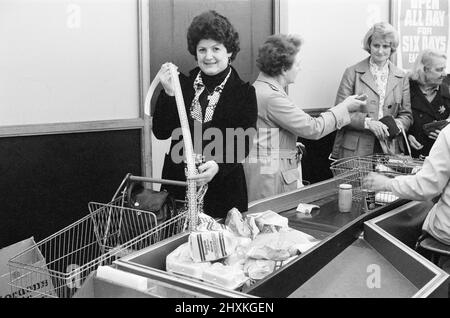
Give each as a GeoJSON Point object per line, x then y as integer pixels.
{"type": "Point", "coordinates": [387, 89]}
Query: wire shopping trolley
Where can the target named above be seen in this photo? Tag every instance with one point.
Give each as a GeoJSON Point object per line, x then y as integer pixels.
{"type": "Point", "coordinates": [109, 232]}
{"type": "Point", "coordinates": [388, 165]}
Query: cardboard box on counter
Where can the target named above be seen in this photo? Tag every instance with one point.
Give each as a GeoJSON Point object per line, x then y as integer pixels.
{"type": "Point", "coordinates": [32, 284]}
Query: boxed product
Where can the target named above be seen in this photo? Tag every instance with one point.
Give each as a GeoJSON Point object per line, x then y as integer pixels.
{"type": "Point", "coordinates": [31, 284]}
{"type": "Point", "coordinates": [181, 262]}
{"type": "Point", "coordinates": [211, 245]}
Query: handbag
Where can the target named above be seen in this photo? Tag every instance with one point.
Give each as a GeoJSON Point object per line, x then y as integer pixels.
{"type": "Point", "coordinates": [393, 129]}
{"type": "Point", "coordinates": [434, 125]}
{"type": "Point", "coordinates": [161, 203]}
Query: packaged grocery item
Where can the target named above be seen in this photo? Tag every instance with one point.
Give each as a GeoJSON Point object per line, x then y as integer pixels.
{"type": "Point", "coordinates": [253, 227]}
{"type": "Point", "coordinates": [258, 268]}
{"type": "Point", "coordinates": [181, 262]}
{"type": "Point", "coordinates": [211, 245]}
{"type": "Point", "coordinates": [380, 168]}
{"type": "Point", "coordinates": [231, 277]}
{"type": "Point", "coordinates": [269, 221]}
{"type": "Point", "coordinates": [398, 165]}
{"type": "Point", "coordinates": [385, 197]}
{"type": "Point", "coordinates": [369, 202]}
{"type": "Point", "coordinates": [240, 253]}
{"type": "Point", "coordinates": [281, 245]}
{"type": "Point", "coordinates": [240, 226]}
{"type": "Point", "coordinates": [306, 208]}
{"type": "Point", "coordinates": [123, 278]}
{"type": "Point", "coordinates": [207, 223]}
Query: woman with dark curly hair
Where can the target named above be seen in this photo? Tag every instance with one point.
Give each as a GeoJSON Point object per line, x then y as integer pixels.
{"type": "Point", "coordinates": [219, 105]}
{"type": "Point", "coordinates": [273, 165]}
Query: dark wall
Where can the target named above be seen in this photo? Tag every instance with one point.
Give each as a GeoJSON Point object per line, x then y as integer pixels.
{"type": "Point", "coordinates": [47, 181]}
{"type": "Point", "coordinates": [252, 20]}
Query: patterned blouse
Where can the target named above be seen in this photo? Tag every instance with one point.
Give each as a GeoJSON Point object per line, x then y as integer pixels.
{"type": "Point", "coordinates": [380, 76]}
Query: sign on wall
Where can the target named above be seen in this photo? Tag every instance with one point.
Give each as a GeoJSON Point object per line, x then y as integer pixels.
{"type": "Point", "coordinates": [422, 24]}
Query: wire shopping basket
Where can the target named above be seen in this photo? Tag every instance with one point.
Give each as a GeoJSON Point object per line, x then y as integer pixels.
{"type": "Point", "coordinates": [388, 165]}
{"type": "Point", "coordinates": [109, 232]}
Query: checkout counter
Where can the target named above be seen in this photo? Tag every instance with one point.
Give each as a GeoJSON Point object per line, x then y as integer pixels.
{"type": "Point", "coordinates": [366, 254]}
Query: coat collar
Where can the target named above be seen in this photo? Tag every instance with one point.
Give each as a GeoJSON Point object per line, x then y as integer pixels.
{"type": "Point", "coordinates": [417, 93]}
{"type": "Point", "coordinates": [363, 67]}
{"type": "Point", "coordinates": [394, 77]}
{"type": "Point", "coordinates": [273, 83]}
{"type": "Point", "coordinates": [445, 88]}
{"type": "Point", "coordinates": [234, 75]}
{"type": "Point", "coordinates": [424, 106]}
{"type": "Point", "coordinates": [232, 92]}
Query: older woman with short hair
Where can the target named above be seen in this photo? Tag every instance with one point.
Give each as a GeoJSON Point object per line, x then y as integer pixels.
{"type": "Point", "coordinates": [273, 164]}
{"type": "Point", "coordinates": [378, 128]}
{"type": "Point", "coordinates": [430, 99]}
{"type": "Point", "coordinates": [217, 101]}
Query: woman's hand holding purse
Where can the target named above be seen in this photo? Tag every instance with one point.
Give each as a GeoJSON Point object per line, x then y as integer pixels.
{"type": "Point", "coordinates": [379, 129]}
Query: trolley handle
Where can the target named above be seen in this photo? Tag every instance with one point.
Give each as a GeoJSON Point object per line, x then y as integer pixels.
{"type": "Point", "coordinates": [130, 177]}
{"type": "Point", "coordinates": [154, 180]}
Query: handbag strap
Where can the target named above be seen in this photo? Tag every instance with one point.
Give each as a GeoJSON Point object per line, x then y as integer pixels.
{"type": "Point", "coordinates": [129, 189]}
{"type": "Point", "coordinates": [406, 142]}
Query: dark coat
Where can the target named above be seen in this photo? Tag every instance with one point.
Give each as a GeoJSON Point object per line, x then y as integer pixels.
{"type": "Point", "coordinates": [237, 108]}
{"type": "Point", "coordinates": [425, 112]}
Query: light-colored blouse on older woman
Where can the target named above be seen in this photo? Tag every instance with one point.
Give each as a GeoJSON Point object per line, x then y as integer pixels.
{"type": "Point", "coordinates": [391, 98]}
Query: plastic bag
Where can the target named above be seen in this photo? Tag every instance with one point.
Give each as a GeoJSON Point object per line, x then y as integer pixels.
{"type": "Point", "coordinates": [281, 245]}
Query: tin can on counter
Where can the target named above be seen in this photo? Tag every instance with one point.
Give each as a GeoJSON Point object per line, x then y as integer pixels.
{"type": "Point", "coordinates": [345, 197]}
{"type": "Point", "coordinates": [368, 197]}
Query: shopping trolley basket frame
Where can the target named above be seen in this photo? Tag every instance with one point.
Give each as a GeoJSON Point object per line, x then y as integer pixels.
{"type": "Point", "coordinates": [388, 165]}
{"type": "Point", "coordinates": [110, 231]}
